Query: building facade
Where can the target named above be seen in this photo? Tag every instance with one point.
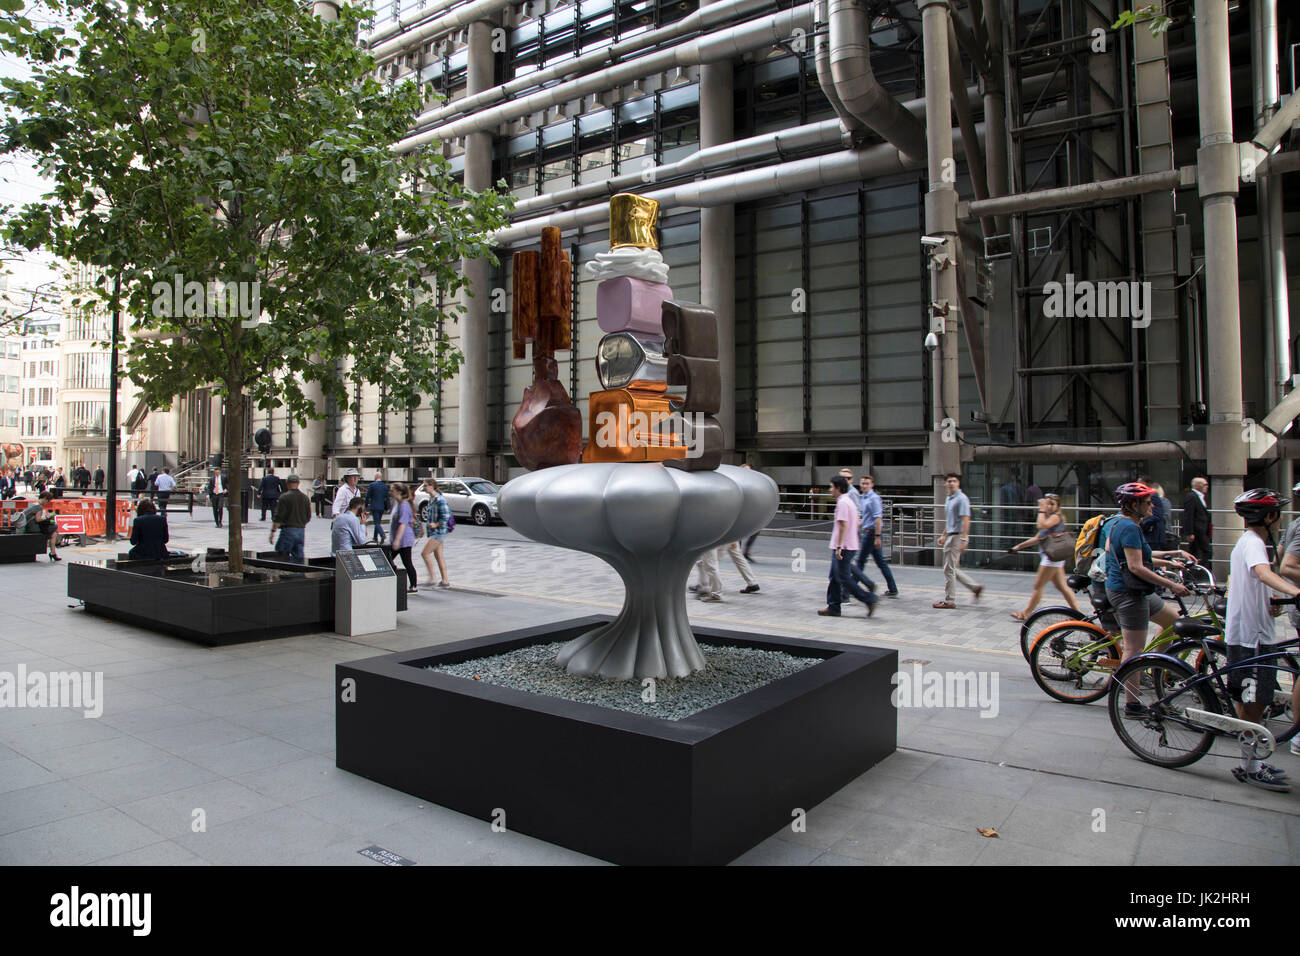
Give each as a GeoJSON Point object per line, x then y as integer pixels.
{"type": "Point", "coordinates": [838, 180]}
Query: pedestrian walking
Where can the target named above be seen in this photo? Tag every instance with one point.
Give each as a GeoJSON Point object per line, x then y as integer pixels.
{"type": "Point", "coordinates": [347, 491]}
{"type": "Point", "coordinates": [1051, 524]}
{"type": "Point", "coordinates": [844, 548]}
{"type": "Point", "coordinates": [1197, 529]}
{"type": "Point", "coordinates": [292, 514]}
{"type": "Point", "coordinates": [164, 484]}
{"type": "Point", "coordinates": [708, 583]}
{"type": "Point", "coordinates": [402, 531]}
{"type": "Point", "coordinates": [139, 484]}
{"type": "Point", "coordinates": [438, 526]}
{"type": "Point", "coordinates": [318, 495]}
{"type": "Point", "coordinates": [99, 477]}
{"type": "Point", "coordinates": [269, 491]}
{"type": "Point", "coordinates": [954, 541]}
{"type": "Point", "coordinates": [217, 494]}
{"type": "Point", "coordinates": [870, 533]}
{"type": "Point", "coordinates": [377, 503]}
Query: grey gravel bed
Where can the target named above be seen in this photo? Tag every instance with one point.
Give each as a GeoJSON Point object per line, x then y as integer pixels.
{"type": "Point", "coordinates": [730, 672]}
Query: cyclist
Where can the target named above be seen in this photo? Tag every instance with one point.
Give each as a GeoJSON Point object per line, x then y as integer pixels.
{"type": "Point", "coordinates": [1131, 580]}
{"type": "Point", "coordinates": [1249, 622]}
{"type": "Point", "coordinates": [1289, 555]}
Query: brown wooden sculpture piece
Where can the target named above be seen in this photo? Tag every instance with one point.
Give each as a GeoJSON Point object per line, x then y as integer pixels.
{"type": "Point", "coordinates": [547, 429]}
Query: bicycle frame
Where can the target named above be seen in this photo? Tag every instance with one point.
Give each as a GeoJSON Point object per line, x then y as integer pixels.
{"type": "Point", "coordinates": [1104, 640]}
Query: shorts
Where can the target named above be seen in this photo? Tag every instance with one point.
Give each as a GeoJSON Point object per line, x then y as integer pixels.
{"type": "Point", "coordinates": [1133, 609]}
{"type": "Point", "coordinates": [433, 534]}
{"type": "Point", "coordinates": [1265, 675]}
{"type": "Point", "coordinates": [1046, 562]}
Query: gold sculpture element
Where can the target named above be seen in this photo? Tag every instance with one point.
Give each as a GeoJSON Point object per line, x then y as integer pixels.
{"type": "Point", "coordinates": [632, 221]}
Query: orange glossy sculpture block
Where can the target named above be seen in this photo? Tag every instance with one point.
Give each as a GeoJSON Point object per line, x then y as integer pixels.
{"type": "Point", "coordinates": [622, 425]}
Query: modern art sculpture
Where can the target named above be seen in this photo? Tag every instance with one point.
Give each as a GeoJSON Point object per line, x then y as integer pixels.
{"type": "Point", "coordinates": [650, 493]}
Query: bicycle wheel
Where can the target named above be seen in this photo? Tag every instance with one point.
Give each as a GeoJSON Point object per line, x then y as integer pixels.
{"type": "Point", "coordinates": [1203, 657]}
{"type": "Point", "coordinates": [1072, 663]}
{"type": "Point", "coordinates": [1042, 619]}
{"type": "Point", "coordinates": [1154, 737]}
{"type": "Point", "coordinates": [1279, 717]}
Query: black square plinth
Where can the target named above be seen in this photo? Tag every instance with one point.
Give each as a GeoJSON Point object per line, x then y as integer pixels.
{"type": "Point", "coordinates": [623, 787]}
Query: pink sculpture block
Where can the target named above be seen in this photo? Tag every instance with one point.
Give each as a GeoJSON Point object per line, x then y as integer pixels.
{"type": "Point", "coordinates": [633, 305]}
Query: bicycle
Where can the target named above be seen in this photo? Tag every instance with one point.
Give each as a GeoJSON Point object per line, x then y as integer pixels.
{"type": "Point", "coordinates": [1182, 711]}
{"type": "Point", "coordinates": [1045, 617]}
{"type": "Point", "coordinates": [1072, 661]}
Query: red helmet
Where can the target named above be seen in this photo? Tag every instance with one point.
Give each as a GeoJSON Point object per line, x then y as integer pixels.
{"type": "Point", "coordinates": [1258, 505]}
{"type": "Point", "coordinates": [1131, 491]}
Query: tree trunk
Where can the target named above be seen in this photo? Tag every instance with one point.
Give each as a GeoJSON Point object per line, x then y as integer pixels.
{"type": "Point", "coordinates": [233, 454]}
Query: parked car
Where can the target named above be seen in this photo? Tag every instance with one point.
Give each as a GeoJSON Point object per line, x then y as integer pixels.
{"type": "Point", "coordinates": [475, 498]}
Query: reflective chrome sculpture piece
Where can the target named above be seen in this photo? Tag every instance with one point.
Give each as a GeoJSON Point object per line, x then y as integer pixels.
{"type": "Point", "coordinates": [649, 523]}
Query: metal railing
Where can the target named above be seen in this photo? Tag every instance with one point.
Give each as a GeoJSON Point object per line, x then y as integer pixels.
{"type": "Point", "coordinates": [911, 526]}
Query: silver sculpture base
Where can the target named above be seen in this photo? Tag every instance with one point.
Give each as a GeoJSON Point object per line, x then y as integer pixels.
{"type": "Point", "coordinates": [650, 523]}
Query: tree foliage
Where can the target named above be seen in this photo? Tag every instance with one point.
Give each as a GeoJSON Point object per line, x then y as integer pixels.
{"type": "Point", "coordinates": [245, 141]}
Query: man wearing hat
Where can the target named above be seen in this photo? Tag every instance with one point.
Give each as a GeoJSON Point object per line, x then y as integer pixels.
{"type": "Point", "coordinates": [347, 491]}
{"type": "Point", "coordinates": [292, 513]}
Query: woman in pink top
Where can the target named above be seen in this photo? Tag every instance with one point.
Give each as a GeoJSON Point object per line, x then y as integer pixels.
{"type": "Point", "coordinates": [844, 548]}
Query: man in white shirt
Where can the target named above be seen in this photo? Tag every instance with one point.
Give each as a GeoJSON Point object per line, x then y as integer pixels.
{"type": "Point", "coordinates": [347, 491]}
{"type": "Point", "coordinates": [1249, 629]}
{"type": "Point", "coordinates": [164, 483]}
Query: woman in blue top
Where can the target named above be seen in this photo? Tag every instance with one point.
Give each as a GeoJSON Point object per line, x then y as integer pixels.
{"type": "Point", "coordinates": [1131, 580]}
{"type": "Point", "coordinates": [403, 531]}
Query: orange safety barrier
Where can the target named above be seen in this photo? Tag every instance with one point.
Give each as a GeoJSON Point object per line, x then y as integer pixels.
{"type": "Point", "coordinates": [91, 509]}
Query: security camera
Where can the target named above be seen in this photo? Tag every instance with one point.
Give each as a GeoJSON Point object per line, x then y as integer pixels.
{"type": "Point", "coordinates": [931, 242]}
{"type": "Point", "coordinates": [931, 342]}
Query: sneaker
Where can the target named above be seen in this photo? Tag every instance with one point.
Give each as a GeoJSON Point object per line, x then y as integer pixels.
{"type": "Point", "coordinates": [749, 590]}
{"type": "Point", "coordinates": [444, 584]}
{"type": "Point", "coordinates": [1275, 771]}
{"type": "Point", "coordinates": [1262, 778]}
{"type": "Point", "coordinates": [891, 594]}
{"type": "Point", "coordinates": [1134, 711]}
{"type": "Point", "coordinates": [711, 598]}
{"type": "Point", "coordinates": [1295, 745]}
{"type": "Point", "coordinates": [694, 589]}
{"type": "Point", "coordinates": [871, 609]}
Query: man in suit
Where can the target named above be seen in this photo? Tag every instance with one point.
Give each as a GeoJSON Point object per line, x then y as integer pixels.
{"type": "Point", "coordinates": [99, 478]}
{"type": "Point", "coordinates": [216, 491]}
{"type": "Point", "coordinates": [1196, 521]}
{"type": "Point", "coordinates": [270, 490]}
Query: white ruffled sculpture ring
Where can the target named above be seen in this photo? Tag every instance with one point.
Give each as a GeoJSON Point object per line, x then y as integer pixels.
{"type": "Point", "coordinates": [651, 524]}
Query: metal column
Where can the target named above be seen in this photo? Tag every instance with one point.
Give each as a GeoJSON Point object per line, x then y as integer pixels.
{"type": "Point", "coordinates": [718, 241]}
{"type": "Point", "coordinates": [471, 448]}
{"type": "Point", "coordinates": [1217, 168]}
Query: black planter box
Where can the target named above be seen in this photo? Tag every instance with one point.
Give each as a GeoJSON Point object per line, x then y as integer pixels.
{"type": "Point", "coordinates": [21, 547]}
{"type": "Point", "coordinates": [623, 787]}
{"type": "Point", "coordinates": [126, 591]}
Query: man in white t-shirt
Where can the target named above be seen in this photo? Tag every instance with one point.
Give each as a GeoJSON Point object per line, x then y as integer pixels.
{"type": "Point", "coordinates": [164, 483]}
{"type": "Point", "coordinates": [1289, 554]}
{"type": "Point", "coordinates": [1250, 622]}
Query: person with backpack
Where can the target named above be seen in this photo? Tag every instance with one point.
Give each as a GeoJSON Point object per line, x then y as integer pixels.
{"type": "Point", "coordinates": [1052, 541]}
{"type": "Point", "coordinates": [439, 524]}
{"type": "Point", "coordinates": [1131, 580]}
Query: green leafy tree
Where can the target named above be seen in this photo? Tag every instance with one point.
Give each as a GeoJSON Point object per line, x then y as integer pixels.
{"type": "Point", "coordinates": [1151, 14]}
{"type": "Point", "coordinates": [198, 143]}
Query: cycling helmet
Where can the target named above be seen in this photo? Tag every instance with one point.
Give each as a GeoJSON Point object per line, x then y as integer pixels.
{"type": "Point", "coordinates": [1132, 491]}
{"type": "Point", "coordinates": [1259, 504]}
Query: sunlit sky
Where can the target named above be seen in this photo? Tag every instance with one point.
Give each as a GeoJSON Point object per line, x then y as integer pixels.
{"type": "Point", "coordinates": [21, 181]}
